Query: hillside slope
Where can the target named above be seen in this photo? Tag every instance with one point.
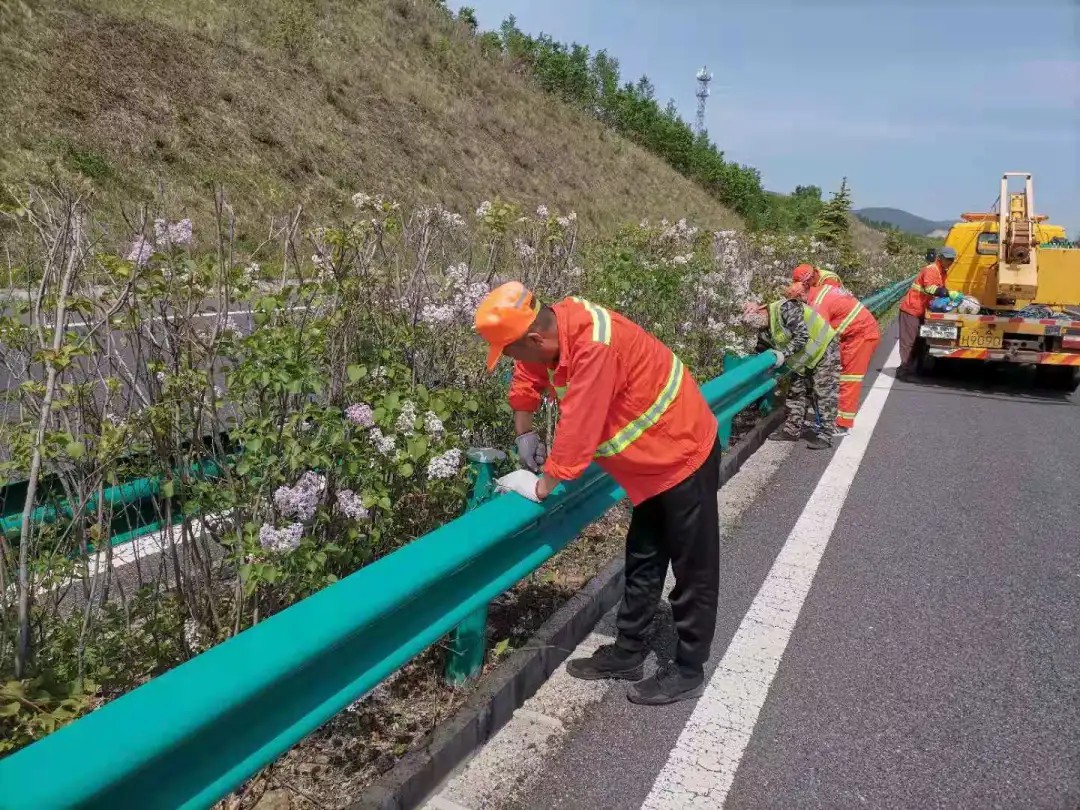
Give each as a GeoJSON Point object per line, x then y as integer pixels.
{"type": "Point", "coordinates": [290, 101]}
{"type": "Point", "coordinates": [902, 220]}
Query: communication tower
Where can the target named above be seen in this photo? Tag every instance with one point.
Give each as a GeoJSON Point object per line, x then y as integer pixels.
{"type": "Point", "coordinates": [703, 79]}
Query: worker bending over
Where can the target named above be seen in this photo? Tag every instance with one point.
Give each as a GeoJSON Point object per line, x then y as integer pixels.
{"type": "Point", "coordinates": [815, 276]}
{"type": "Point", "coordinates": [859, 337]}
{"type": "Point", "coordinates": [626, 401]}
{"type": "Point", "coordinates": [804, 341]}
{"type": "Point", "coordinates": [929, 284]}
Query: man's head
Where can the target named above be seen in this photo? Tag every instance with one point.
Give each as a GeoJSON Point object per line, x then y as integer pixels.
{"type": "Point", "coordinates": [946, 256]}
{"type": "Point", "coordinates": [797, 290]}
{"type": "Point", "coordinates": [755, 315]}
{"type": "Point", "coordinates": [513, 323]}
{"type": "Point", "coordinates": [806, 274]}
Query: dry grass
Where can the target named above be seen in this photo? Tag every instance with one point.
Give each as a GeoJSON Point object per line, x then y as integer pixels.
{"type": "Point", "coordinates": [303, 101]}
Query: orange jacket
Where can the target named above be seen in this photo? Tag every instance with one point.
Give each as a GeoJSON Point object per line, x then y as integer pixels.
{"type": "Point", "coordinates": [844, 312]}
{"type": "Point", "coordinates": [625, 400]}
{"type": "Point", "coordinates": [929, 284]}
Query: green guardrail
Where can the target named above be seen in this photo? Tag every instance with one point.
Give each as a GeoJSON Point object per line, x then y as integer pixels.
{"type": "Point", "coordinates": [192, 735]}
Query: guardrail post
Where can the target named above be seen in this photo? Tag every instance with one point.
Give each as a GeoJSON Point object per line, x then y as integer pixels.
{"type": "Point", "coordinates": [468, 642]}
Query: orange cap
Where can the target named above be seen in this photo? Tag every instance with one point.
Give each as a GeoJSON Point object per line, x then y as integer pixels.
{"type": "Point", "coordinates": [505, 315]}
{"type": "Point", "coordinates": [804, 272]}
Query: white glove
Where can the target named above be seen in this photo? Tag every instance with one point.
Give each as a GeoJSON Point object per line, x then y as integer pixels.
{"type": "Point", "coordinates": [779, 358]}
{"type": "Point", "coordinates": [532, 451]}
{"type": "Point", "coordinates": [522, 482]}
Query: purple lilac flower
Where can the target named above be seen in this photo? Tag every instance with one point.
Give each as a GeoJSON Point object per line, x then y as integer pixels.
{"type": "Point", "coordinates": [284, 539]}
{"type": "Point", "coordinates": [360, 414]}
{"type": "Point", "coordinates": [141, 251]}
{"type": "Point", "coordinates": [350, 505]}
{"type": "Point", "coordinates": [302, 500]}
{"type": "Point", "coordinates": [406, 420]}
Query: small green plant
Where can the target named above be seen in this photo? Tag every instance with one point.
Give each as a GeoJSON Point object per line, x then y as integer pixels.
{"type": "Point", "coordinates": [89, 164]}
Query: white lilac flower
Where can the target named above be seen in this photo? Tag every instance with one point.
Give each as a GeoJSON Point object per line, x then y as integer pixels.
{"type": "Point", "coordinates": [484, 209]}
{"type": "Point", "coordinates": [452, 220]}
{"type": "Point", "coordinates": [524, 249]}
{"type": "Point", "coordinates": [384, 444]}
{"type": "Point", "coordinates": [445, 465]}
{"type": "Point", "coordinates": [458, 275]}
{"type": "Point", "coordinates": [542, 212]}
{"type": "Point", "coordinates": [360, 414]}
{"type": "Point", "coordinates": [406, 420]}
{"type": "Point", "coordinates": [360, 199]}
{"type": "Point", "coordinates": [351, 505]}
{"type": "Point", "coordinates": [251, 272]}
{"type": "Point", "coordinates": [193, 636]}
{"type": "Point", "coordinates": [433, 425]}
{"type": "Point", "coordinates": [141, 251]}
{"type": "Point", "coordinates": [180, 232]}
{"type": "Point", "coordinates": [680, 260]}
{"type": "Point", "coordinates": [437, 314]}
{"type": "Point", "coordinates": [284, 539]}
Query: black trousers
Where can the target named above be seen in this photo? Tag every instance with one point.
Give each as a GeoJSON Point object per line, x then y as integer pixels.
{"type": "Point", "coordinates": [679, 526]}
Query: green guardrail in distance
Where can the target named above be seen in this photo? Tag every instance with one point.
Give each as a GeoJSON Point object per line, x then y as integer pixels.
{"type": "Point", "coordinates": [188, 737]}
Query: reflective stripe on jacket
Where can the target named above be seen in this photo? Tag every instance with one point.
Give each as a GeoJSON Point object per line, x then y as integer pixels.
{"type": "Point", "coordinates": [843, 311]}
{"type": "Point", "coordinates": [927, 285]}
{"type": "Point", "coordinates": [828, 278]}
{"type": "Point", "coordinates": [820, 334]}
{"type": "Point", "coordinates": [625, 400]}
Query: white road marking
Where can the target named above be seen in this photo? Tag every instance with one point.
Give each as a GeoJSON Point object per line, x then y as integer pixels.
{"type": "Point", "coordinates": [701, 767]}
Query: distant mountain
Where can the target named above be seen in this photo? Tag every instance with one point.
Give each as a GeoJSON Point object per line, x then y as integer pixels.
{"type": "Point", "coordinates": [902, 220]}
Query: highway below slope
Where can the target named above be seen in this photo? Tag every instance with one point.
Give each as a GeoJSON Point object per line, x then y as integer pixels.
{"type": "Point", "coordinates": [899, 626]}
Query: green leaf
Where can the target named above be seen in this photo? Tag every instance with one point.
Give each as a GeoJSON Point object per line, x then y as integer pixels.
{"type": "Point", "coordinates": [472, 405]}
{"type": "Point", "coordinates": [405, 470]}
{"type": "Point", "coordinates": [501, 647]}
{"type": "Point", "coordinates": [253, 444]}
{"type": "Point", "coordinates": [75, 449]}
{"type": "Point", "coordinates": [356, 373]}
{"type": "Point", "coordinates": [9, 709]}
{"type": "Point", "coordinates": [168, 489]}
{"type": "Point", "coordinates": [384, 503]}
{"type": "Point", "coordinates": [418, 447]}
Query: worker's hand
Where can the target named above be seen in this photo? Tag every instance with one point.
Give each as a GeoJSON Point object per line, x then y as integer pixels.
{"type": "Point", "coordinates": [531, 450]}
{"type": "Point", "coordinates": [523, 482]}
{"type": "Point", "coordinates": [779, 361]}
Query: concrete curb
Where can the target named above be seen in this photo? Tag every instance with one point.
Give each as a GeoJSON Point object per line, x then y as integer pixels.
{"type": "Point", "coordinates": [503, 691]}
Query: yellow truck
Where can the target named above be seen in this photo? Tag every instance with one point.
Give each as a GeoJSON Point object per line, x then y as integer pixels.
{"type": "Point", "coordinates": [1025, 275]}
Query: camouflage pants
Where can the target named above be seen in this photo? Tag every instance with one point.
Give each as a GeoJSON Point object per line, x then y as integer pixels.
{"type": "Point", "coordinates": [821, 384]}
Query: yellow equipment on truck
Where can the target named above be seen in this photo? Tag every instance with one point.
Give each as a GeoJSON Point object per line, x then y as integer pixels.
{"type": "Point", "coordinates": [1025, 275]}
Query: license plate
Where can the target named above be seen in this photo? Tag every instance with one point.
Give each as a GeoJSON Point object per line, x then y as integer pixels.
{"type": "Point", "coordinates": [982, 337]}
{"type": "Point", "coordinates": [939, 331]}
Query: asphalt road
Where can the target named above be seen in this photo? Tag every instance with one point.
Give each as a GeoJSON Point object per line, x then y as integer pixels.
{"type": "Point", "coordinates": [934, 660]}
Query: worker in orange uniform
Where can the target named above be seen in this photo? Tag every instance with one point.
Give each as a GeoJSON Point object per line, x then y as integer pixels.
{"type": "Point", "coordinates": [929, 284]}
{"type": "Point", "coordinates": [815, 276]}
{"type": "Point", "coordinates": [626, 401]}
{"type": "Point", "coordinates": [859, 338]}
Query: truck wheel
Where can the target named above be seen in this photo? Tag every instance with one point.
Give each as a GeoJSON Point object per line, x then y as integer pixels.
{"type": "Point", "coordinates": [925, 363]}
{"type": "Point", "coordinates": [1058, 378]}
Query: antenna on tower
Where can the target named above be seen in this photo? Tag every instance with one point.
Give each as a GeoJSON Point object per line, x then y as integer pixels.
{"type": "Point", "coordinates": [703, 79]}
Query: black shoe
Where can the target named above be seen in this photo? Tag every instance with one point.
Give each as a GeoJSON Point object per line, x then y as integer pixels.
{"type": "Point", "coordinates": [818, 442]}
{"type": "Point", "coordinates": [670, 684]}
{"type": "Point", "coordinates": [609, 661]}
{"type": "Point", "coordinates": [780, 436]}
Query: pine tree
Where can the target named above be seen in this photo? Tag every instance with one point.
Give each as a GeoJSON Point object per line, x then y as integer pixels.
{"type": "Point", "coordinates": [833, 225]}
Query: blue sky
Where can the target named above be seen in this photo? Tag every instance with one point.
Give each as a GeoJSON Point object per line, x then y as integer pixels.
{"type": "Point", "coordinates": [920, 104]}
